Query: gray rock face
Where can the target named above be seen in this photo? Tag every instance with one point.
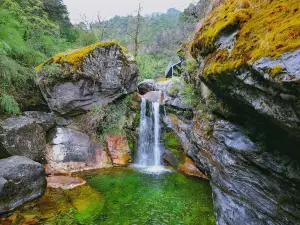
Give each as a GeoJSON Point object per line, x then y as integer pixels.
{"type": "Point", "coordinates": [172, 90]}
{"type": "Point", "coordinates": [250, 185]}
{"type": "Point", "coordinates": [71, 151]}
{"type": "Point", "coordinates": [289, 63]}
{"type": "Point", "coordinates": [247, 87]}
{"type": "Point", "coordinates": [107, 73]}
{"type": "Point", "coordinates": [147, 86]}
{"type": "Point", "coordinates": [26, 135]}
{"type": "Point", "coordinates": [21, 180]}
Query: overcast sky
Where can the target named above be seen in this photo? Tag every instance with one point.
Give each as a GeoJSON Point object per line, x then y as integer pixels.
{"type": "Point", "coordinates": [110, 8]}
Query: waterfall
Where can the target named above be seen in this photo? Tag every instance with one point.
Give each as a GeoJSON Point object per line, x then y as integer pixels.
{"type": "Point", "coordinates": [157, 149]}
{"type": "Point", "coordinates": [149, 153]}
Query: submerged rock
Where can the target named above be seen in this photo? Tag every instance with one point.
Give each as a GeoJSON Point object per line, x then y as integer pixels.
{"type": "Point", "coordinates": [21, 180]}
{"type": "Point", "coordinates": [71, 150]}
{"type": "Point", "coordinates": [26, 135]}
{"type": "Point", "coordinates": [87, 77]}
{"type": "Point", "coordinates": [118, 149]}
{"type": "Point", "coordinates": [64, 182]}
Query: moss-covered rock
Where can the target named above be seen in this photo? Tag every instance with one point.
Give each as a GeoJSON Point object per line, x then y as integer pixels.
{"type": "Point", "coordinates": [174, 152]}
{"type": "Point", "coordinates": [248, 53]}
{"type": "Point", "coordinates": [78, 80]}
{"type": "Point", "coordinates": [265, 28]}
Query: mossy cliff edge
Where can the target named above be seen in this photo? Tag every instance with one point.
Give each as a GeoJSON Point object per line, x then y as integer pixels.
{"type": "Point", "coordinates": [264, 28]}
{"type": "Point", "coordinates": [248, 53]}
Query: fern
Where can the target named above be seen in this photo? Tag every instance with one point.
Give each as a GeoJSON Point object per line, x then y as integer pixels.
{"type": "Point", "coordinates": [8, 104]}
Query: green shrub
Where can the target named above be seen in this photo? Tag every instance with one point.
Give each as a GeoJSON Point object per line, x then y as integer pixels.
{"type": "Point", "coordinates": [190, 95]}
{"type": "Point", "coordinates": [151, 66]}
{"type": "Point", "coordinates": [8, 104]}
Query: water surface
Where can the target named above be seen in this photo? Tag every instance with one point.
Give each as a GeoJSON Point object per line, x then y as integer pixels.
{"type": "Point", "coordinates": [125, 196]}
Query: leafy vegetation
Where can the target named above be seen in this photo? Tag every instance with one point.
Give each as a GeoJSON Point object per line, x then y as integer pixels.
{"type": "Point", "coordinates": [160, 34]}
{"type": "Point", "coordinates": [112, 123]}
{"type": "Point", "coordinates": [151, 65]}
{"type": "Point", "coordinates": [31, 32]}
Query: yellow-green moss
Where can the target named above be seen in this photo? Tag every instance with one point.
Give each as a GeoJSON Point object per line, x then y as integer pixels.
{"type": "Point", "coordinates": [267, 28]}
{"type": "Point", "coordinates": [76, 57]}
{"type": "Point", "coordinates": [275, 70]}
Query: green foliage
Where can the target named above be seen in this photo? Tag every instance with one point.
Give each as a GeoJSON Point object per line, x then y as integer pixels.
{"type": "Point", "coordinates": [190, 94]}
{"type": "Point", "coordinates": [8, 103]}
{"type": "Point", "coordinates": [50, 74]}
{"type": "Point", "coordinates": [191, 66]}
{"type": "Point", "coordinates": [151, 66]}
{"type": "Point", "coordinates": [172, 141]}
{"type": "Point", "coordinates": [113, 117]}
{"type": "Point", "coordinates": [31, 32]}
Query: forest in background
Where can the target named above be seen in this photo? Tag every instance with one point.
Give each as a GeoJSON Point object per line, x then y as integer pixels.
{"type": "Point", "coordinates": [34, 30]}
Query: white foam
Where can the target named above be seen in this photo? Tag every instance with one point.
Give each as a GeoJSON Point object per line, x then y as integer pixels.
{"type": "Point", "coordinates": [152, 169]}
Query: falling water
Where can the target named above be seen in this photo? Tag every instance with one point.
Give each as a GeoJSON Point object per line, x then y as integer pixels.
{"type": "Point", "coordinates": [149, 154]}
{"type": "Point", "coordinates": [157, 151]}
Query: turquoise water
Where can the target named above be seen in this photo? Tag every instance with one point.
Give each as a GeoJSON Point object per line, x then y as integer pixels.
{"type": "Point", "coordinates": [132, 197]}
{"type": "Point", "coordinates": [122, 196]}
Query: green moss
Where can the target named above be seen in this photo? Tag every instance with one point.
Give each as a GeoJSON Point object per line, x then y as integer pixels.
{"type": "Point", "coordinates": [275, 70]}
{"type": "Point", "coordinates": [76, 57]}
{"type": "Point", "coordinates": [172, 141]}
{"type": "Point", "coordinates": [267, 28]}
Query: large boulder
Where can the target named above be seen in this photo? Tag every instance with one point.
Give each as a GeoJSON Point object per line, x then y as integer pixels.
{"type": "Point", "coordinates": [26, 135]}
{"type": "Point", "coordinates": [251, 65]}
{"type": "Point", "coordinates": [21, 180]}
{"type": "Point", "coordinates": [71, 151]}
{"type": "Point", "coordinates": [251, 182]}
{"type": "Point", "coordinates": [78, 80]}
{"type": "Point", "coordinates": [251, 155]}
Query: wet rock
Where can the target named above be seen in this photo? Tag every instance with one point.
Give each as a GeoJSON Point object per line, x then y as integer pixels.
{"type": "Point", "coordinates": [26, 135]}
{"type": "Point", "coordinates": [64, 182]}
{"type": "Point", "coordinates": [154, 96]}
{"type": "Point", "coordinates": [92, 76]}
{"type": "Point", "coordinates": [181, 128]}
{"type": "Point", "coordinates": [118, 149]}
{"type": "Point", "coordinates": [189, 168]}
{"type": "Point", "coordinates": [146, 86]}
{"type": "Point", "coordinates": [21, 180]}
{"type": "Point", "coordinates": [71, 150]}
{"type": "Point", "coordinates": [250, 185]}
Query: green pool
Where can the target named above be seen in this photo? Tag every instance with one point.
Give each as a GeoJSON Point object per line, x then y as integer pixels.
{"type": "Point", "coordinates": [126, 196]}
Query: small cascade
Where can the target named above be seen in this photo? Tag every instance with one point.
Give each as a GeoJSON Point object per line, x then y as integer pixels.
{"type": "Point", "coordinates": [149, 153]}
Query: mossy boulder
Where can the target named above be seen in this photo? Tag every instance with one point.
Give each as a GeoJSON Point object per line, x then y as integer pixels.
{"type": "Point", "coordinates": [249, 54]}
{"type": "Point", "coordinates": [75, 81]}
